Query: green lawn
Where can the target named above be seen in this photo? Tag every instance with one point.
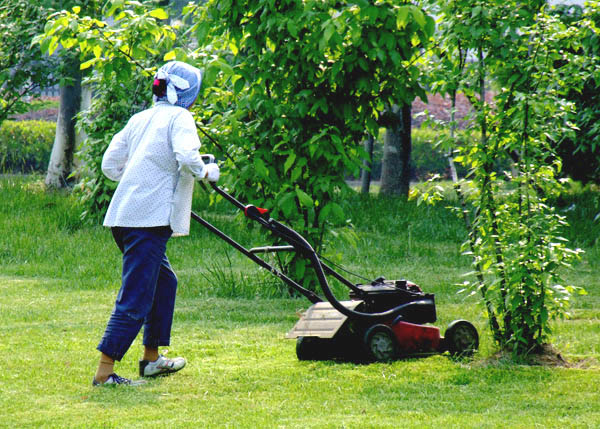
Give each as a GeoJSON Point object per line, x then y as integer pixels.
{"type": "Point", "coordinates": [58, 281]}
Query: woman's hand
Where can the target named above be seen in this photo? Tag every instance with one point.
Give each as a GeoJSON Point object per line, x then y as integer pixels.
{"type": "Point", "coordinates": [212, 172]}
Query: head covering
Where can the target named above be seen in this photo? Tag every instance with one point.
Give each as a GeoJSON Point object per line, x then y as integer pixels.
{"type": "Point", "coordinates": [182, 81]}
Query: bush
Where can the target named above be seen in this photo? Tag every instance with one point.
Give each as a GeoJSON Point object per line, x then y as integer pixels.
{"type": "Point", "coordinates": [25, 146]}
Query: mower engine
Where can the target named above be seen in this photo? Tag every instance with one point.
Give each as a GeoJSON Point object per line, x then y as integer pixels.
{"type": "Point", "coordinates": [324, 333]}
{"type": "Point", "coordinates": [381, 295]}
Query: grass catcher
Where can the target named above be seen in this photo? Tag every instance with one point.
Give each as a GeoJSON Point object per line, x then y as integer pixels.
{"type": "Point", "coordinates": [382, 320]}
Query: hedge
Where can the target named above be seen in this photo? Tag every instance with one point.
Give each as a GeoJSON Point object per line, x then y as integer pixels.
{"type": "Point", "coordinates": [25, 146]}
{"type": "Point", "coordinates": [427, 158]}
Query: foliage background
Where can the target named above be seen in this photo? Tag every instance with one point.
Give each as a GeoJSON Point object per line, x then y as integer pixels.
{"type": "Point", "coordinates": [24, 69]}
{"type": "Point", "coordinates": [581, 153]}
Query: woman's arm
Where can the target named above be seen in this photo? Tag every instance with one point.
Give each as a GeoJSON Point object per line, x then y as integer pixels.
{"type": "Point", "coordinates": [186, 144]}
{"type": "Point", "coordinates": [116, 156]}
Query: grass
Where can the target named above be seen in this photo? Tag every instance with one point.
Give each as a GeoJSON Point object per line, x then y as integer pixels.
{"type": "Point", "coordinates": [59, 278]}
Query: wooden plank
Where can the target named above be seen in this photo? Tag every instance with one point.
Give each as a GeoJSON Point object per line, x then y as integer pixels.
{"type": "Point", "coordinates": [321, 320]}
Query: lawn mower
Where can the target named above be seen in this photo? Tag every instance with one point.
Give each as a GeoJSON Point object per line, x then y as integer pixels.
{"type": "Point", "coordinates": [382, 320]}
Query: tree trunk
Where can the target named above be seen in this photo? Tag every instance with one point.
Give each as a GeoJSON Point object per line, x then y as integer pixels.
{"type": "Point", "coordinates": [368, 166]}
{"type": "Point", "coordinates": [395, 173]}
{"type": "Point", "coordinates": [453, 127]}
{"type": "Point", "coordinates": [81, 136]}
{"type": "Point", "coordinates": [61, 158]}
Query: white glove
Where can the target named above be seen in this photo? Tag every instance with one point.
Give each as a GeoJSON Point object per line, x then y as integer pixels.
{"type": "Point", "coordinates": [212, 172]}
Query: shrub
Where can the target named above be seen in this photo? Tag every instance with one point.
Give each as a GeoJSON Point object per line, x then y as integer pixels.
{"type": "Point", "coordinates": [428, 157]}
{"type": "Point", "coordinates": [26, 146]}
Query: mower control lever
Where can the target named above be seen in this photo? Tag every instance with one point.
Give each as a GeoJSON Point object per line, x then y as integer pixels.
{"type": "Point", "coordinates": [253, 212]}
{"type": "Point", "coordinates": [208, 158]}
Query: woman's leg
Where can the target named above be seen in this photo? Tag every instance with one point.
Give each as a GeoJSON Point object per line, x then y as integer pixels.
{"type": "Point", "coordinates": [157, 325]}
{"type": "Point", "coordinates": [143, 252]}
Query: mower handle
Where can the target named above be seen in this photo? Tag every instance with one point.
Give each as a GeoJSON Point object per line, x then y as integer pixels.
{"type": "Point", "coordinates": [301, 245]}
{"type": "Point", "coordinates": [312, 256]}
{"type": "Point", "coordinates": [227, 196]}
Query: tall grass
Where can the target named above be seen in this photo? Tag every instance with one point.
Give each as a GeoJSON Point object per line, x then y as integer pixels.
{"type": "Point", "coordinates": [42, 231]}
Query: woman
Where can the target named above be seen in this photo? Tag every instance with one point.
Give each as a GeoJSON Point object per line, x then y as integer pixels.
{"type": "Point", "coordinates": [155, 159]}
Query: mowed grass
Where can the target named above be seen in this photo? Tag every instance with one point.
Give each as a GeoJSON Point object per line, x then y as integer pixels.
{"type": "Point", "coordinates": [59, 279]}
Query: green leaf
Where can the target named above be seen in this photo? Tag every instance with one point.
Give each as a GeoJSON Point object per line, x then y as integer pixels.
{"type": "Point", "coordinates": [372, 12]}
{"type": "Point", "coordinates": [292, 28]}
{"type": "Point", "coordinates": [296, 173]}
{"type": "Point", "coordinates": [88, 64]}
{"type": "Point", "coordinates": [53, 45]}
{"type": "Point", "coordinates": [260, 168]}
{"type": "Point", "coordinates": [289, 162]}
{"type": "Point", "coordinates": [402, 17]}
{"type": "Point", "coordinates": [430, 26]}
{"type": "Point", "coordinates": [159, 14]}
{"type": "Point", "coordinates": [169, 56]}
{"type": "Point", "coordinates": [202, 31]}
{"type": "Point", "coordinates": [224, 67]}
{"type": "Point", "coordinates": [238, 84]}
{"type": "Point", "coordinates": [304, 198]}
{"type": "Point", "coordinates": [338, 212]}
{"type": "Point", "coordinates": [329, 30]}
{"type": "Point", "coordinates": [418, 16]}
{"type": "Point", "coordinates": [325, 213]}
{"type": "Point", "coordinates": [210, 76]}
{"type": "Point", "coordinates": [97, 50]}
{"type": "Point", "coordinates": [45, 44]}
{"type": "Point", "coordinates": [287, 204]}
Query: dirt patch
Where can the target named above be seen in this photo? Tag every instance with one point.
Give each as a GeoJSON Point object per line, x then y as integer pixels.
{"type": "Point", "coordinates": [40, 115]}
{"type": "Point", "coordinates": [547, 355]}
{"type": "Point", "coordinates": [43, 109]}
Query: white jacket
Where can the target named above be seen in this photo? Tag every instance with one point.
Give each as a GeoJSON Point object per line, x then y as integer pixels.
{"type": "Point", "coordinates": [154, 159]}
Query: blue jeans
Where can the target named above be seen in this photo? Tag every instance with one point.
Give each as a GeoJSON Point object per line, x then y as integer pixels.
{"type": "Point", "coordinates": [147, 294]}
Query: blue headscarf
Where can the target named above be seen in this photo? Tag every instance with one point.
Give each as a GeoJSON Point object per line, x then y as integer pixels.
{"type": "Point", "coordinates": [182, 83]}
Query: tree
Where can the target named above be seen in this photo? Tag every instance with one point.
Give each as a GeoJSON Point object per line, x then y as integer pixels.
{"type": "Point", "coordinates": [308, 78]}
{"type": "Point", "coordinates": [291, 126]}
{"type": "Point", "coordinates": [61, 161]}
{"type": "Point", "coordinates": [581, 154]}
{"type": "Point", "coordinates": [61, 165]}
{"type": "Point", "coordinates": [124, 56]}
{"type": "Point", "coordinates": [365, 176]}
{"type": "Point", "coordinates": [23, 68]}
{"type": "Point", "coordinates": [514, 233]}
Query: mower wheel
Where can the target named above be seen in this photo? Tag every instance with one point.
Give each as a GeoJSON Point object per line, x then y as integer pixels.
{"type": "Point", "coordinates": [311, 348]}
{"type": "Point", "coordinates": [461, 338]}
{"type": "Point", "coordinates": [381, 343]}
